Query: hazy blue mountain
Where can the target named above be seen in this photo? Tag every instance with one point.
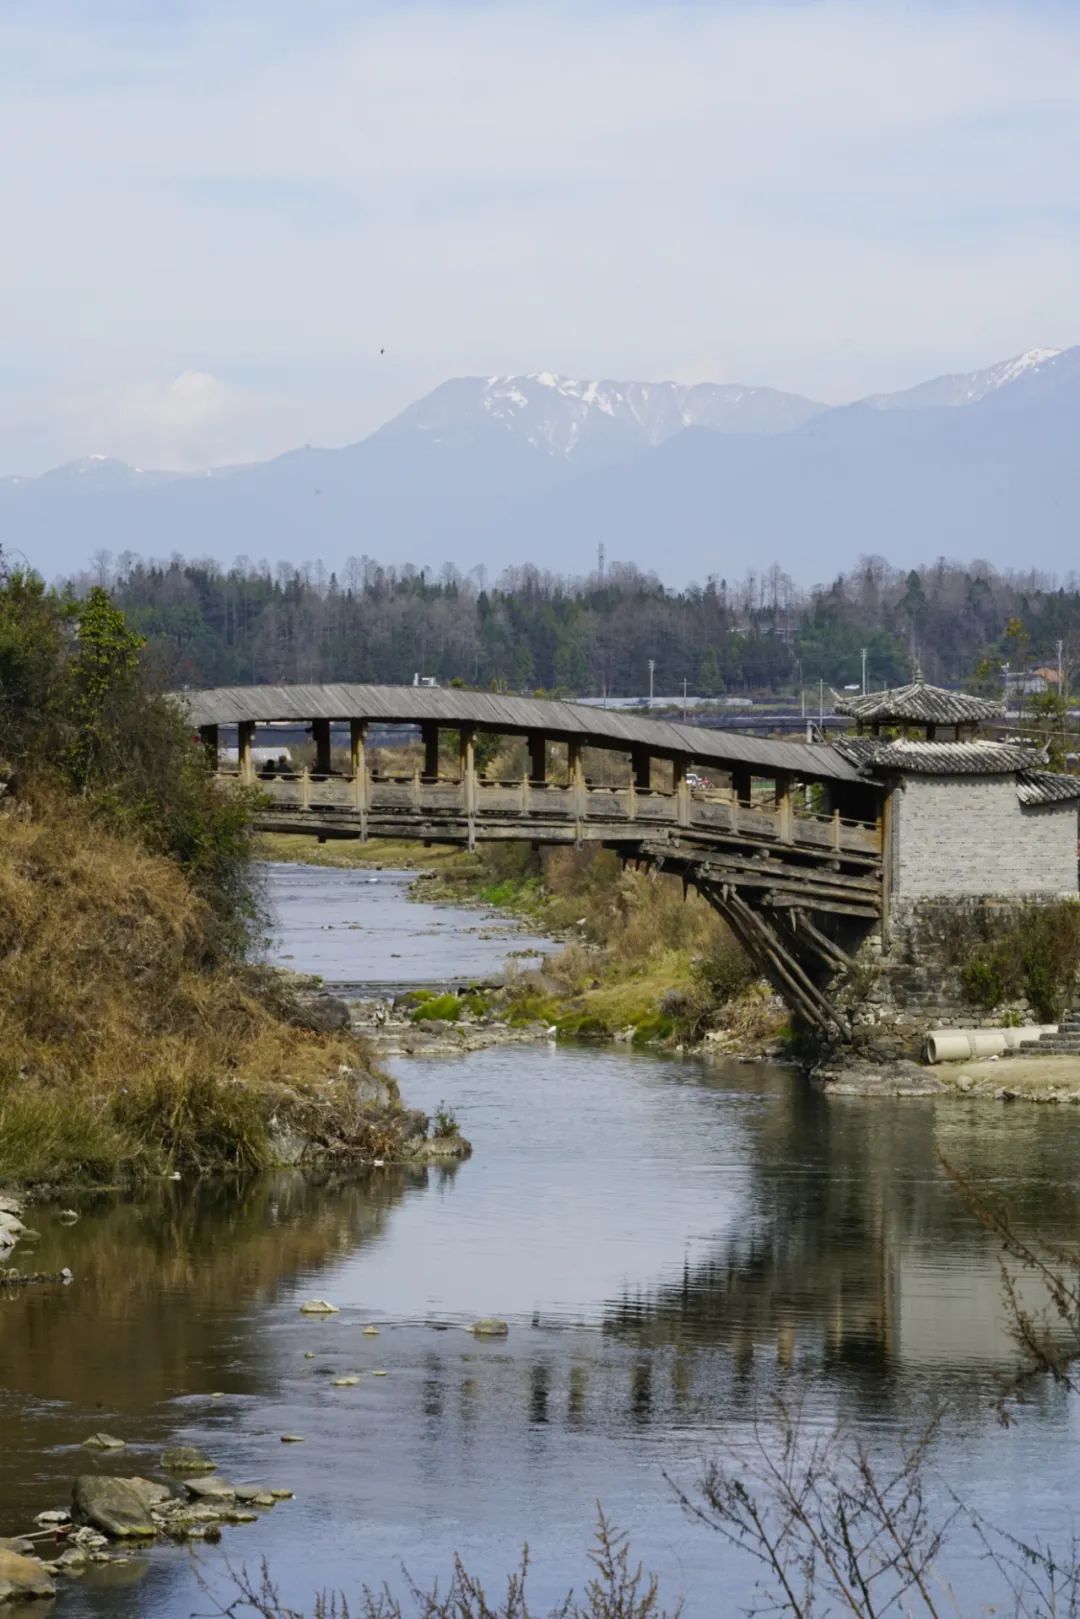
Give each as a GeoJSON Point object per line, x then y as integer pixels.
{"type": "Point", "coordinates": [964, 387]}
{"type": "Point", "coordinates": [686, 481]}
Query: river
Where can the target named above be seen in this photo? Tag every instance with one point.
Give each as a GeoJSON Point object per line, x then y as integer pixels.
{"type": "Point", "coordinates": [671, 1243]}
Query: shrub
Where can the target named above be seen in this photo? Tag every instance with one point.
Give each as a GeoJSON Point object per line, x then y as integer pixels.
{"type": "Point", "coordinates": [445, 1125]}
{"type": "Point", "coordinates": [441, 1008]}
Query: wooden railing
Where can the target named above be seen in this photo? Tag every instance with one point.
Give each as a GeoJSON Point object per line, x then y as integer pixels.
{"type": "Point", "coordinates": [474, 807]}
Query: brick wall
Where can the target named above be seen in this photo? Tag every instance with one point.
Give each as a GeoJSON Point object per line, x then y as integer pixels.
{"type": "Point", "coordinates": [970, 835]}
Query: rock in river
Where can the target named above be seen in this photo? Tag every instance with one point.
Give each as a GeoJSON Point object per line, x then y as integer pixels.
{"type": "Point", "coordinates": [210, 1489]}
{"type": "Point", "coordinates": [103, 1441]}
{"type": "Point", "coordinates": [489, 1327]}
{"type": "Point", "coordinates": [186, 1459]}
{"type": "Point", "coordinates": [117, 1506]}
{"type": "Point", "coordinates": [318, 1307]}
{"type": "Point", "coordinates": [22, 1577]}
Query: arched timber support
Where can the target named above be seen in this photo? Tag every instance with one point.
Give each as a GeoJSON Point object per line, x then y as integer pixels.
{"type": "Point", "coordinates": [769, 945]}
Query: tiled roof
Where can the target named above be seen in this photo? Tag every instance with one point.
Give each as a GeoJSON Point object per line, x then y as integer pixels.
{"type": "Point", "coordinates": [926, 705]}
{"type": "Point", "coordinates": [450, 706]}
{"type": "Point", "coordinates": [954, 758]}
{"type": "Point", "coordinates": [1042, 787]}
{"type": "Point", "coordinates": [861, 750]}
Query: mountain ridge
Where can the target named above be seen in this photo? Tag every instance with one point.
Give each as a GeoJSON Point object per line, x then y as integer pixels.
{"type": "Point", "coordinates": [684, 479]}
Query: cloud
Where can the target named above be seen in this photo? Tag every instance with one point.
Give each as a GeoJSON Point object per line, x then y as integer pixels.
{"type": "Point", "coordinates": [831, 197]}
{"type": "Point", "coordinates": [186, 422]}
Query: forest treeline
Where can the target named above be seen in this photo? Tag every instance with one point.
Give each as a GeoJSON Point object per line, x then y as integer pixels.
{"type": "Point", "coordinates": [532, 630]}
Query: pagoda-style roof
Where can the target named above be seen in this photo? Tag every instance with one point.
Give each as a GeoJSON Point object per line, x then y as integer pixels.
{"type": "Point", "coordinates": [1043, 787]}
{"type": "Point", "coordinates": [870, 754]}
{"type": "Point", "coordinates": [957, 758]}
{"type": "Point", "coordinates": [918, 704]}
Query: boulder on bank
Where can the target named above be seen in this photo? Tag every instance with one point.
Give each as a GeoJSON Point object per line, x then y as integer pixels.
{"type": "Point", "coordinates": [210, 1489]}
{"type": "Point", "coordinates": [321, 1014]}
{"type": "Point", "coordinates": [117, 1506]}
{"type": "Point", "coordinates": [23, 1577]}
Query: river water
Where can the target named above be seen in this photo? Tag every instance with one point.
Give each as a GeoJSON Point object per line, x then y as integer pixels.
{"type": "Point", "coordinates": [671, 1243]}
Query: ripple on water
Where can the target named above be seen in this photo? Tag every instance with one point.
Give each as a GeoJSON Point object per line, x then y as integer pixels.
{"type": "Point", "coordinates": [670, 1245]}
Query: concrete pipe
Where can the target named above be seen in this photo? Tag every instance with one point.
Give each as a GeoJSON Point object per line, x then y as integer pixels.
{"type": "Point", "coordinates": [948, 1045]}
{"type": "Point", "coordinates": [988, 1042]}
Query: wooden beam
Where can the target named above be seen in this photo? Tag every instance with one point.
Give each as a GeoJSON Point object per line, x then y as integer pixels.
{"type": "Point", "coordinates": [827, 948]}
{"type": "Point", "coordinates": [245, 736]}
{"type": "Point", "coordinates": [358, 768]}
{"type": "Point", "coordinates": [792, 967]}
{"type": "Point", "coordinates": [783, 805]}
{"type": "Point", "coordinates": [467, 771]}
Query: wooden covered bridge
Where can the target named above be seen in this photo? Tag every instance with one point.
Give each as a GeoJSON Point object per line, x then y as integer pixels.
{"type": "Point", "coordinates": [786, 841]}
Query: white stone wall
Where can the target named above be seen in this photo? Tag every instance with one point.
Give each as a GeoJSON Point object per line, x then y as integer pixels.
{"type": "Point", "coordinates": [970, 835]}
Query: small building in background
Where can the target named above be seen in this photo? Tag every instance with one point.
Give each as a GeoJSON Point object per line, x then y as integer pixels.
{"type": "Point", "coordinates": [965, 817]}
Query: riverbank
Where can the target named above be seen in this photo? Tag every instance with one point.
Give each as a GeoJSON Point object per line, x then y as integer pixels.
{"type": "Point", "coordinates": [127, 1050]}
{"type": "Point", "coordinates": [1052, 1078]}
{"type": "Point", "coordinates": [640, 961]}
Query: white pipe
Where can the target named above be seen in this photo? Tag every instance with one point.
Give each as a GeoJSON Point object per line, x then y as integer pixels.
{"type": "Point", "coordinates": [948, 1045]}
{"type": "Point", "coordinates": [956, 1045]}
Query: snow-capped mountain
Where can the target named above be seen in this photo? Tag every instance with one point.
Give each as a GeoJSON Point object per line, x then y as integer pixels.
{"type": "Point", "coordinates": [964, 387]}
{"type": "Point", "coordinates": [599, 420]}
{"type": "Point", "coordinates": [689, 480]}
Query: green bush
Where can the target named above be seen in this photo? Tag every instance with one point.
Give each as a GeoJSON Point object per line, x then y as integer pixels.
{"type": "Point", "coordinates": [79, 708]}
{"type": "Point", "coordinates": [581, 1026]}
{"type": "Point", "coordinates": [652, 1030]}
{"type": "Point", "coordinates": [440, 1008]}
{"type": "Point", "coordinates": [1032, 953]}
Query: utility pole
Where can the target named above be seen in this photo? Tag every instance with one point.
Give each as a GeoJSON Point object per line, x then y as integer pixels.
{"type": "Point", "coordinates": [863, 651]}
{"type": "Point", "coordinates": [600, 554]}
{"type": "Point", "coordinates": [821, 703]}
{"type": "Point", "coordinates": [684, 699]}
{"type": "Point", "coordinates": [652, 671]}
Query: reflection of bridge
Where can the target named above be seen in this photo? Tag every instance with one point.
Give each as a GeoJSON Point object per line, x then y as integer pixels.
{"type": "Point", "coordinates": [788, 848]}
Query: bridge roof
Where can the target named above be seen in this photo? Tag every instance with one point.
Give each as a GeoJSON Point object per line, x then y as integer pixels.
{"type": "Point", "coordinates": [451, 706]}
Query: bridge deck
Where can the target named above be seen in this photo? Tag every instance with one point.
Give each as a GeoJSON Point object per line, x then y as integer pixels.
{"type": "Point", "coordinates": [410, 806]}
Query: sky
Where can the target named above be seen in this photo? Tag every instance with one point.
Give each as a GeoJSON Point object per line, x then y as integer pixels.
{"type": "Point", "coordinates": [220, 215]}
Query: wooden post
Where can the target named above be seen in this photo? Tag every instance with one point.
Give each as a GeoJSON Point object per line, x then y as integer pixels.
{"type": "Point", "coordinates": [783, 805]}
{"type": "Point", "coordinates": [576, 774]}
{"type": "Point", "coordinates": [641, 763]}
{"type": "Point", "coordinates": [358, 767]}
{"type": "Point", "coordinates": [305, 788]}
{"type": "Point", "coordinates": [209, 735]}
{"type": "Point", "coordinates": [467, 767]}
{"type": "Point", "coordinates": [320, 731]}
{"type": "Point", "coordinates": [429, 734]}
{"type": "Point", "coordinates": [538, 758]}
{"type": "Point", "coordinates": [836, 829]}
{"type": "Point", "coordinates": [245, 735]}
{"type": "Point", "coordinates": [682, 790]}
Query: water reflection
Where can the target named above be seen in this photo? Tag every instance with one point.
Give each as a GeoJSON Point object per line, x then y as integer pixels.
{"type": "Point", "coordinates": [669, 1244]}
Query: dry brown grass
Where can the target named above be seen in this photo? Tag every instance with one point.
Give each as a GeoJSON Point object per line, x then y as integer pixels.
{"type": "Point", "coordinates": [119, 1048]}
